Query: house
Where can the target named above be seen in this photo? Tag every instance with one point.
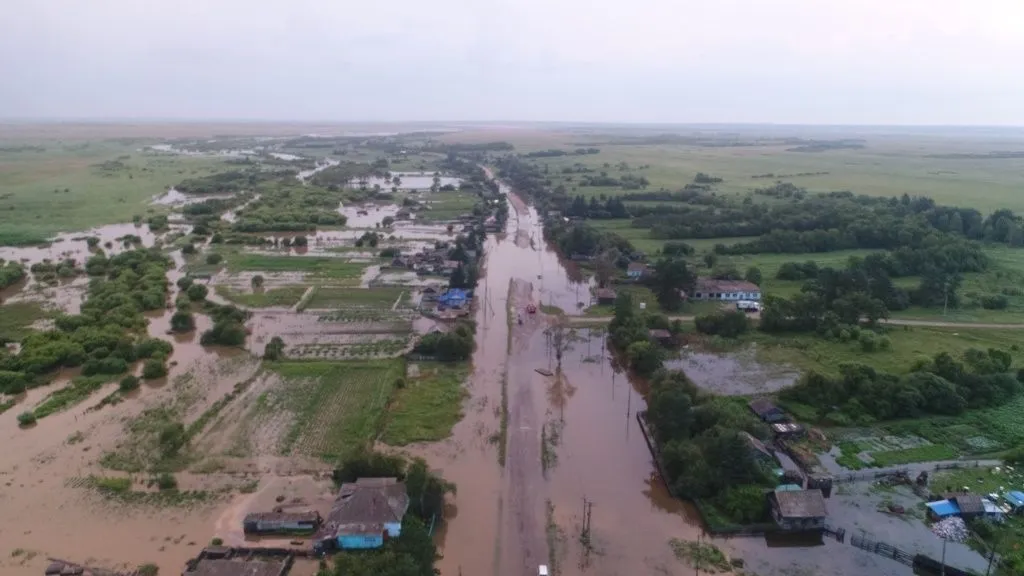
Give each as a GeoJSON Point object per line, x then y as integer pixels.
{"type": "Point", "coordinates": [731, 290]}
{"type": "Point", "coordinates": [970, 505]}
{"type": "Point", "coordinates": [224, 561]}
{"type": "Point", "coordinates": [758, 450]}
{"type": "Point", "coordinates": [766, 410]}
{"type": "Point", "coordinates": [365, 513]}
{"type": "Point", "coordinates": [798, 510]}
{"type": "Point", "coordinates": [636, 270]}
{"type": "Point", "coordinates": [661, 336]}
{"type": "Point", "coordinates": [605, 296]}
{"type": "Point", "coordinates": [281, 522]}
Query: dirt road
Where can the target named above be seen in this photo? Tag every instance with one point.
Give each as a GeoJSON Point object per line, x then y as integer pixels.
{"type": "Point", "coordinates": [597, 320]}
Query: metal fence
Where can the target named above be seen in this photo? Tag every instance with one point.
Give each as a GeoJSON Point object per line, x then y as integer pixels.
{"type": "Point", "coordinates": [882, 549]}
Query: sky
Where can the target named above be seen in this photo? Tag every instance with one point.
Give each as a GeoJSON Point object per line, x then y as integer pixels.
{"type": "Point", "coordinates": [945, 62]}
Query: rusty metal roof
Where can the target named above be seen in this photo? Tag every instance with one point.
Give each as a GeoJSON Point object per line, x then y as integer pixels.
{"type": "Point", "coordinates": [801, 504]}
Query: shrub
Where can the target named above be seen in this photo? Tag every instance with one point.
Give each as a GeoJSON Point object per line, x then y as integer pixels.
{"type": "Point", "coordinates": [153, 348]}
{"type": "Point", "coordinates": [727, 323]}
{"type": "Point", "coordinates": [184, 282]}
{"type": "Point", "coordinates": [216, 542]}
{"type": "Point", "coordinates": [214, 259]}
{"type": "Point", "coordinates": [274, 349]}
{"type": "Point", "coordinates": [154, 369]}
{"type": "Point", "coordinates": [166, 481]}
{"type": "Point", "coordinates": [183, 321]}
{"type": "Point", "coordinates": [188, 249]}
{"type": "Point", "coordinates": [128, 383]}
{"type": "Point", "coordinates": [149, 570]}
{"type": "Point", "coordinates": [226, 333]}
{"type": "Point", "coordinates": [867, 340]}
{"type": "Point", "coordinates": [26, 418]}
{"type": "Point", "coordinates": [197, 292]}
{"type": "Point", "coordinates": [997, 302]}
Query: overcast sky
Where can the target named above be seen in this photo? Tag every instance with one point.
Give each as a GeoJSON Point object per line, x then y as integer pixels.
{"type": "Point", "coordinates": [782, 61]}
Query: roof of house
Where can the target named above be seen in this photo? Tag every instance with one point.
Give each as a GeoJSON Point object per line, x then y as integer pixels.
{"type": "Point", "coordinates": [603, 293]}
{"type": "Point", "coordinates": [364, 506]}
{"type": "Point", "coordinates": [659, 333]}
{"type": "Point", "coordinates": [800, 504]}
{"type": "Point", "coordinates": [969, 503]}
{"type": "Point", "coordinates": [636, 267]}
{"type": "Point", "coordinates": [762, 406]}
{"type": "Point", "coordinates": [712, 285]}
{"type": "Point", "coordinates": [943, 508]}
{"type": "Point", "coordinates": [308, 516]}
{"type": "Point", "coordinates": [756, 444]}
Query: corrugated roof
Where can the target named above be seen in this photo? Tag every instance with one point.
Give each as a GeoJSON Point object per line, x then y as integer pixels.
{"type": "Point", "coordinates": [364, 506]}
{"type": "Point", "coordinates": [712, 285]}
{"type": "Point", "coordinates": [943, 508]}
{"type": "Point", "coordinates": [282, 516]}
{"type": "Point", "coordinates": [969, 504]}
{"type": "Point", "coordinates": [801, 504]}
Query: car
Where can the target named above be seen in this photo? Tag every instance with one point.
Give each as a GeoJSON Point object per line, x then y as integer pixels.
{"type": "Point", "coordinates": [531, 309]}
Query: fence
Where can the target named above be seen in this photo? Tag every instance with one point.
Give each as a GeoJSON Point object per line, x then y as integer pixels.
{"type": "Point", "coordinates": [882, 549]}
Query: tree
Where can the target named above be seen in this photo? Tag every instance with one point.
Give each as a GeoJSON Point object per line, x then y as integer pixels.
{"type": "Point", "coordinates": [128, 383]}
{"type": "Point", "coordinates": [671, 276]}
{"type": "Point", "coordinates": [668, 410]}
{"type": "Point", "coordinates": [257, 282]}
{"type": "Point", "coordinates": [274, 349]}
{"type": "Point", "coordinates": [560, 338]}
{"type": "Point", "coordinates": [605, 267]}
{"type": "Point", "coordinates": [644, 357]}
{"type": "Point", "coordinates": [154, 368]}
{"type": "Point", "coordinates": [753, 275]}
{"type": "Point", "coordinates": [183, 321]}
{"type": "Point", "coordinates": [214, 259]}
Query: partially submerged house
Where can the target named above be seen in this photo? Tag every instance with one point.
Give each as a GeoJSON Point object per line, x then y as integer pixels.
{"type": "Point", "coordinates": [661, 336]}
{"type": "Point", "coordinates": [966, 506]}
{"type": "Point", "coordinates": [798, 510]}
{"type": "Point", "coordinates": [366, 512]}
{"type": "Point", "coordinates": [766, 410]}
{"type": "Point", "coordinates": [453, 298]}
{"type": "Point", "coordinates": [281, 522]}
{"type": "Point", "coordinates": [224, 561]}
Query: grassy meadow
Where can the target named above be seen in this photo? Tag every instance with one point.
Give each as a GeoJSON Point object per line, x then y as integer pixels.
{"type": "Point", "coordinates": [68, 186]}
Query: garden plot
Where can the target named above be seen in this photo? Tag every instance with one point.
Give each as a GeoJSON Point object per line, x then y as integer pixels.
{"type": "Point", "coordinates": [858, 449]}
{"type": "Point", "coordinates": [380, 298]}
{"type": "Point", "coordinates": [338, 330]}
{"type": "Point", "coordinates": [362, 346]}
{"type": "Point", "coordinates": [338, 406]}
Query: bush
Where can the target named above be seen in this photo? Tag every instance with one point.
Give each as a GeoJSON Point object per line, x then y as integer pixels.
{"type": "Point", "coordinates": [214, 259]}
{"type": "Point", "coordinates": [149, 570]}
{"type": "Point", "coordinates": [26, 418]}
{"type": "Point", "coordinates": [188, 249]}
{"type": "Point", "coordinates": [998, 302]}
{"type": "Point", "coordinates": [727, 323]}
{"type": "Point", "coordinates": [153, 348]}
{"type": "Point", "coordinates": [197, 292]}
{"type": "Point", "coordinates": [226, 333]}
{"type": "Point", "coordinates": [166, 481]}
{"type": "Point", "coordinates": [154, 369]}
{"type": "Point", "coordinates": [128, 383]}
{"type": "Point", "coordinates": [274, 349]}
{"type": "Point", "coordinates": [183, 321]}
{"type": "Point", "coordinates": [184, 282]}
{"type": "Point", "coordinates": [868, 343]}
{"type": "Point", "coordinates": [216, 542]}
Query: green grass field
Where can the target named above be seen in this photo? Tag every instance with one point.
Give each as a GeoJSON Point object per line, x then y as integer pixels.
{"type": "Point", "coordinates": [809, 352]}
{"type": "Point", "coordinates": [332, 297]}
{"type": "Point", "coordinates": [273, 297]}
{"type": "Point", "coordinates": [333, 268]}
{"type": "Point", "coordinates": [428, 406]}
{"type": "Point", "coordinates": [447, 206]}
{"type": "Point", "coordinates": [64, 188]}
{"type": "Point", "coordinates": [888, 165]}
{"type": "Point", "coordinates": [338, 406]}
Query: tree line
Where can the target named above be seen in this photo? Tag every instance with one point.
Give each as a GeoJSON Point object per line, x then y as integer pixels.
{"type": "Point", "coordinates": [941, 385]}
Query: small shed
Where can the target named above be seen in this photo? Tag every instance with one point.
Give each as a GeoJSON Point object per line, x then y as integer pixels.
{"type": "Point", "coordinates": [943, 508]}
{"type": "Point", "coordinates": [787, 430]}
{"type": "Point", "coordinates": [605, 296]}
{"type": "Point", "coordinates": [766, 410]}
{"type": "Point", "coordinates": [798, 510]}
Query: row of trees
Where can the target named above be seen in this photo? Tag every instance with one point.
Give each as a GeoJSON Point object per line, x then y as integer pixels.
{"type": "Point", "coordinates": [941, 385]}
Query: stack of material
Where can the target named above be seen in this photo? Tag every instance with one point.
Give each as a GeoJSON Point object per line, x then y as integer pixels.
{"type": "Point", "coordinates": [952, 529]}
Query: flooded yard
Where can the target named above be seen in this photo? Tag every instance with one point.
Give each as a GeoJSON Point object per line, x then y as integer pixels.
{"type": "Point", "coordinates": [735, 373]}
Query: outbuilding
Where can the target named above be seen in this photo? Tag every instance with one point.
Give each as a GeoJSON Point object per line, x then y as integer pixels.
{"type": "Point", "coordinates": [766, 410]}
{"type": "Point", "coordinates": [798, 510]}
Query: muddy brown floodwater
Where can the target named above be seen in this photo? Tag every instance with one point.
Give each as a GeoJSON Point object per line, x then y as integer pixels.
{"type": "Point", "coordinates": [573, 436]}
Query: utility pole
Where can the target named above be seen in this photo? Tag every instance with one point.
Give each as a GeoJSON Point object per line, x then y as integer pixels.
{"type": "Point", "coordinates": [585, 531]}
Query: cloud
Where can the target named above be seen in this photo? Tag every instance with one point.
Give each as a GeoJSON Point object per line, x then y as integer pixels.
{"type": "Point", "coordinates": [841, 61]}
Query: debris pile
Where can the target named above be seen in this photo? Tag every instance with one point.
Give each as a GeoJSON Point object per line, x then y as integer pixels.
{"type": "Point", "coordinates": [952, 529]}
